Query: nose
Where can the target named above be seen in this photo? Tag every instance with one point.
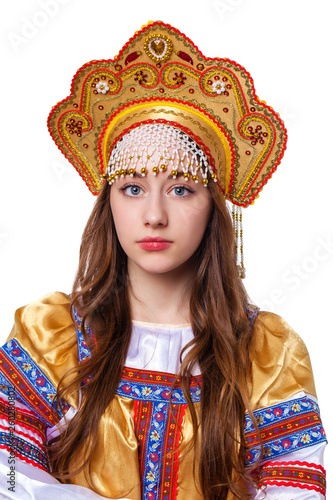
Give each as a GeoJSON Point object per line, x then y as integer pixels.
{"type": "Point", "coordinates": [155, 213]}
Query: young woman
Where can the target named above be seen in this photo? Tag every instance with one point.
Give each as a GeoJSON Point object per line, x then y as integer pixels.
{"type": "Point", "coordinates": [156, 378]}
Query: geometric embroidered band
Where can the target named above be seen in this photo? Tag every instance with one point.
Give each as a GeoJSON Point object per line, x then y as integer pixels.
{"type": "Point", "coordinates": [24, 450]}
{"type": "Point", "coordinates": [296, 474]}
{"type": "Point", "coordinates": [23, 419]}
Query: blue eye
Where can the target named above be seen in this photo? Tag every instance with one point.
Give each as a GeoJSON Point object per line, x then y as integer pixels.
{"type": "Point", "coordinates": [182, 191]}
{"type": "Point", "coordinates": [131, 190]}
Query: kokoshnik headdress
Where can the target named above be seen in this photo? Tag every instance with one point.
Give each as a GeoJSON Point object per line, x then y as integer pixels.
{"type": "Point", "coordinates": [160, 86]}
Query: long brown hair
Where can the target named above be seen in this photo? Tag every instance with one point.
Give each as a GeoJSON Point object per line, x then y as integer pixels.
{"type": "Point", "coordinates": [220, 346]}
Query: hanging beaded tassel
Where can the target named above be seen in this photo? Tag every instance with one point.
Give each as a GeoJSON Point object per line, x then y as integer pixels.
{"type": "Point", "coordinates": [237, 219]}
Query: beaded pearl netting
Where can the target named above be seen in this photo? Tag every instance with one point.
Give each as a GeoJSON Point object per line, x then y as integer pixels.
{"type": "Point", "coordinates": [158, 147]}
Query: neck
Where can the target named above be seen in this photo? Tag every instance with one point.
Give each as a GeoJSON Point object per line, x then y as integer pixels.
{"type": "Point", "coordinates": [160, 298]}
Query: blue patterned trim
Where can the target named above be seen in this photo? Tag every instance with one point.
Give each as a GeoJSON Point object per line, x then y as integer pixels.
{"type": "Point", "coordinates": [24, 449]}
{"type": "Point", "coordinates": [162, 426]}
{"type": "Point", "coordinates": [280, 447]}
{"type": "Point", "coordinates": [154, 450]}
{"type": "Point", "coordinates": [155, 392]}
{"type": "Point", "coordinates": [83, 349]}
{"type": "Point", "coordinates": [280, 412]}
{"type": "Point", "coordinates": [252, 312]}
{"type": "Point", "coordinates": [25, 376]}
{"type": "Point", "coordinates": [284, 428]}
{"type": "Point", "coordinates": [7, 388]}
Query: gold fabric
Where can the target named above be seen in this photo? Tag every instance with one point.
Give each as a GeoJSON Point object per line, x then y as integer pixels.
{"type": "Point", "coordinates": [115, 467]}
{"type": "Point", "coordinates": [46, 331]}
{"type": "Point", "coordinates": [188, 487]}
{"type": "Point", "coordinates": [281, 364]}
{"type": "Point", "coordinates": [281, 368]}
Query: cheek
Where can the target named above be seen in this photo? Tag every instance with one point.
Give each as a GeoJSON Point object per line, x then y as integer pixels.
{"type": "Point", "coordinates": [202, 210]}
{"type": "Point", "coordinates": [120, 216]}
{"type": "Point", "coordinates": [193, 220]}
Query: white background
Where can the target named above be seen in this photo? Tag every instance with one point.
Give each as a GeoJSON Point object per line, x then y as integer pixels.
{"type": "Point", "coordinates": [286, 46]}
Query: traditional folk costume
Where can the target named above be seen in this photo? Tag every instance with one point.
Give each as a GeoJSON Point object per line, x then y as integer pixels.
{"type": "Point", "coordinates": [218, 131]}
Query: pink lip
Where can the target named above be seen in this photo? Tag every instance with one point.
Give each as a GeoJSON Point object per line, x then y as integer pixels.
{"type": "Point", "coordinates": [153, 244]}
{"type": "Point", "coordinates": [150, 238]}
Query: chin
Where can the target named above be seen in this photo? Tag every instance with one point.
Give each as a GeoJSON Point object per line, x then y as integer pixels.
{"type": "Point", "coordinates": [161, 266]}
{"type": "Point", "coordinates": [162, 269]}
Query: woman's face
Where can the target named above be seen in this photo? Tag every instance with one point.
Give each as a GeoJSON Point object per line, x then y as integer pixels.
{"type": "Point", "coordinates": [173, 213]}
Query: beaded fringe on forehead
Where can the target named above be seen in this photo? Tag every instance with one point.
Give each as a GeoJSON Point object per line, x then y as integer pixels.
{"type": "Point", "coordinates": [158, 146]}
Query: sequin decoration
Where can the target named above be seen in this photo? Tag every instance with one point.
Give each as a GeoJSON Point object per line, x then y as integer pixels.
{"type": "Point", "coordinates": [158, 47]}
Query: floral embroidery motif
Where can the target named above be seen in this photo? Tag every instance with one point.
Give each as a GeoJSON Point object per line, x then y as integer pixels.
{"type": "Point", "coordinates": [252, 312]}
{"type": "Point", "coordinates": [75, 127]}
{"type": "Point", "coordinates": [284, 428]}
{"type": "Point", "coordinates": [26, 367]}
{"type": "Point", "coordinates": [179, 78]}
{"type": "Point", "coordinates": [157, 427]}
{"type": "Point", "coordinates": [140, 77]}
{"type": "Point", "coordinates": [256, 135]}
{"type": "Point", "coordinates": [154, 451]}
{"type": "Point", "coordinates": [34, 389]}
{"type": "Point", "coordinates": [156, 393]}
{"type": "Point", "coordinates": [102, 87]}
{"type": "Point", "coordinates": [6, 387]}
{"type": "Point", "coordinates": [218, 87]}
{"type": "Point", "coordinates": [83, 350]}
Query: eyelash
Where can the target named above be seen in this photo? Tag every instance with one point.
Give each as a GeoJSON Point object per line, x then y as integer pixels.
{"type": "Point", "coordinates": [189, 190]}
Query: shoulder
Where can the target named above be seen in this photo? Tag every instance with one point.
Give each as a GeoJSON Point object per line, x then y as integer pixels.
{"type": "Point", "coordinates": [273, 333]}
{"type": "Point", "coordinates": [53, 302]}
{"type": "Point", "coordinates": [44, 329]}
{"type": "Point", "coordinates": [281, 365]}
{"type": "Point", "coordinates": [41, 348]}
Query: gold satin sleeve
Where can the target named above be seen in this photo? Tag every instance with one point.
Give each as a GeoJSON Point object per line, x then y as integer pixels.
{"type": "Point", "coordinates": [46, 331]}
{"type": "Point", "coordinates": [281, 365]}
